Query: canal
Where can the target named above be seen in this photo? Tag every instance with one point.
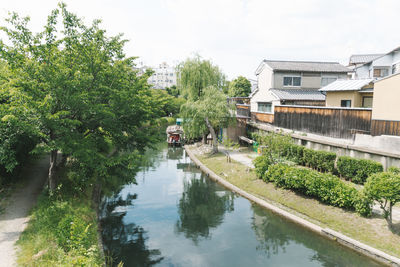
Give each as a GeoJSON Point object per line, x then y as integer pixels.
{"type": "Point", "coordinates": [176, 216]}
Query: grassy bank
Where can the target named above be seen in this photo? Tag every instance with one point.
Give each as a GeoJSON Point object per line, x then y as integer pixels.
{"type": "Point", "coordinates": [372, 231]}
{"type": "Point", "coordinates": [61, 232]}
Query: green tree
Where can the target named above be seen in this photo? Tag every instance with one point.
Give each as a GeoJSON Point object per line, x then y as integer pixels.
{"type": "Point", "coordinates": [240, 87]}
{"type": "Point", "coordinates": [206, 114]}
{"type": "Point", "coordinates": [90, 104]}
{"type": "Point", "coordinates": [173, 90]}
{"type": "Point", "coordinates": [167, 103]}
{"type": "Point", "coordinates": [195, 74]}
{"type": "Point", "coordinates": [384, 188]}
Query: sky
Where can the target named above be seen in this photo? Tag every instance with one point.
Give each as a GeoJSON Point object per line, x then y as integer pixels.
{"type": "Point", "coordinates": [236, 35]}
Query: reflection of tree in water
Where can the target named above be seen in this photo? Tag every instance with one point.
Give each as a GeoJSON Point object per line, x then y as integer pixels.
{"type": "Point", "coordinates": [202, 207]}
{"type": "Point", "coordinates": [125, 242]}
{"type": "Point", "coordinates": [152, 157]}
{"type": "Point", "coordinates": [275, 233]}
{"type": "Point", "coordinates": [175, 153]}
{"type": "Point", "coordinates": [269, 237]}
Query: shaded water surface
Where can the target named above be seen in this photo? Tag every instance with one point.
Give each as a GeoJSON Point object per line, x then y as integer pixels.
{"type": "Point", "coordinates": [175, 216]}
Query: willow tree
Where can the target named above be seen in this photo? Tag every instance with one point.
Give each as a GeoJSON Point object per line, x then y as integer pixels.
{"type": "Point", "coordinates": [90, 103]}
{"type": "Point", "coordinates": [196, 74]}
{"type": "Point", "coordinates": [206, 114]}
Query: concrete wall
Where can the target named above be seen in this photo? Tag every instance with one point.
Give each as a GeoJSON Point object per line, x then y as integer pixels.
{"type": "Point", "coordinates": [386, 104]}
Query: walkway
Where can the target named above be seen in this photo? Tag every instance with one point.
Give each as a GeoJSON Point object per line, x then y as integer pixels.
{"type": "Point", "coordinates": [15, 217]}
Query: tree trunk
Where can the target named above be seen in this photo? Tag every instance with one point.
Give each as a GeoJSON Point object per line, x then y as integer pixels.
{"type": "Point", "coordinates": [390, 214]}
{"type": "Point", "coordinates": [213, 135]}
{"type": "Point", "coordinates": [52, 171]}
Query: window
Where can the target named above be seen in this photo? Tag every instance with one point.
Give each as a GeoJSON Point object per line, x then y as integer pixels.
{"type": "Point", "coordinates": [327, 80]}
{"type": "Point", "coordinates": [171, 74]}
{"type": "Point", "coordinates": [264, 107]}
{"type": "Point", "coordinates": [367, 102]}
{"type": "Point", "coordinates": [380, 73]}
{"type": "Point", "coordinates": [291, 81]}
{"type": "Point", "coordinates": [395, 68]}
{"type": "Point", "coordinates": [345, 103]}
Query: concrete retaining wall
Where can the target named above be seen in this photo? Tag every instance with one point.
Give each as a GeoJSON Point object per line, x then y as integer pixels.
{"type": "Point", "coordinates": [364, 249]}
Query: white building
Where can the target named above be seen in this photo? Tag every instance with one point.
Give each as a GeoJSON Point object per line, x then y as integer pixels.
{"type": "Point", "coordinates": [379, 66]}
{"type": "Point", "coordinates": [164, 76]}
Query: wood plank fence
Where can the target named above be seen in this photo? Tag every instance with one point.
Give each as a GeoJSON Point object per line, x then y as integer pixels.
{"type": "Point", "coordinates": [332, 122]}
{"type": "Point", "coordinates": [379, 127]}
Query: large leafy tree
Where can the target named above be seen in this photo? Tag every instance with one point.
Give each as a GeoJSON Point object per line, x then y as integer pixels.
{"type": "Point", "coordinates": [239, 87]}
{"type": "Point", "coordinates": [90, 103]}
{"type": "Point", "coordinates": [206, 114]}
{"type": "Point", "coordinates": [195, 74]}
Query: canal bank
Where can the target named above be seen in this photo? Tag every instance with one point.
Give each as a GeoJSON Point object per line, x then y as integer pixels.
{"type": "Point", "coordinates": [362, 248]}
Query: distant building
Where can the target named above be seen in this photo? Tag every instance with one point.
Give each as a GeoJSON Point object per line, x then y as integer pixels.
{"type": "Point", "coordinates": [164, 76]}
{"type": "Point", "coordinates": [376, 66]}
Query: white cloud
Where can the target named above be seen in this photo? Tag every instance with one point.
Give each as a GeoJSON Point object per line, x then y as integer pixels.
{"type": "Point", "coordinates": [238, 34]}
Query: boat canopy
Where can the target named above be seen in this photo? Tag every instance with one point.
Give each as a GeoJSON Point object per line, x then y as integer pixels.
{"type": "Point", "coordinates": [174, 129]}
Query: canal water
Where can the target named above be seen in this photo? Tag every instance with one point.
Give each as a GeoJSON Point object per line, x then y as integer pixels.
{"type": "Point", "coordinates": [176, 216]}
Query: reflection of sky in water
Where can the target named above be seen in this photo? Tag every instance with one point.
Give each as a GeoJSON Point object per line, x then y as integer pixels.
{"type": "Point", "coordinates": [247, 235]}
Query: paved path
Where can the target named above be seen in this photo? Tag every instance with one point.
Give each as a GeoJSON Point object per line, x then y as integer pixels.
{"type": "Point", "coordinates": [15, 218]}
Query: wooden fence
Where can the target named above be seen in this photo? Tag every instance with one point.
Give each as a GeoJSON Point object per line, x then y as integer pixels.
{"type": "Point", "coordinates": [262, 117]}
{"type": "Point", "coordinates": [379, 127]}
{"type": "Point", "coordinates": [332, 122]}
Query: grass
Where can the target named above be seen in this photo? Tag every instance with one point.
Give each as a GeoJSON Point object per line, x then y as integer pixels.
{"type": "Point", "coordinates": [373, 231]}
{"type": "Point", "coordinates": [61, 232]}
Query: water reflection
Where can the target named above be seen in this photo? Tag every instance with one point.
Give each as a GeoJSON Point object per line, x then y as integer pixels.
{"type": "Point", "coordinates": [121, 239]}
{"type": "Point", "coordinates": [202, 207]}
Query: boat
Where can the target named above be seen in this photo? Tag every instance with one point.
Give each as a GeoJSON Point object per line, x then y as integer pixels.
{"type": "Point", "coordinates": [174, 135]}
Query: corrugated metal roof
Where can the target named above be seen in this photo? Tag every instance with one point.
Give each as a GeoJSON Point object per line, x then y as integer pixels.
{"type": "Point", "coordinates": [360, 59]}
{"type": "Point", "coordinates": [346, 85]}
{"type": "Point", "coordinates": [307, 66]}
{"type": "Point", "coordinates": [298, 94]}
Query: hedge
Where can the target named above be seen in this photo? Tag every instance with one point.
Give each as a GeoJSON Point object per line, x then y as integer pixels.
{"type": "Point", "coordinates": [326, 187]}
{"type": "Point", "coordinates": [357, 170]}
{"type": "Point", "coordinates": [261, 165]}
{"type": "Point", "coordinates": [316, 159]}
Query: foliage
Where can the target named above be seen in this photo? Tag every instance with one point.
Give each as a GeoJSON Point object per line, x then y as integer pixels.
{"type": "Point", "coordinates": [18, 125]}
{"type": "Point", "coordinates": [274, 145]}
{"type": "Point", "coordinates": [240, 87]}
{"type": "Point", "coordinates": [86, 96]}
{"type": "Point", "coordinates": [319, 160]}
{"type": "Point", "coordinates": [64, 230]}
{"type": "Point", "coordinates": [261, 165]}
{"type": "Point", "coordinates": [166, 103]}
{"type": "Point", "coordinates": [363, 204]}
{"type": "Point", "coordinates": [173, 91]}
{"type": "Point", "coordinates": [326, 187]}
{"type": "Point", "coordinates": [196, 74]}
{"type": "Point", "coordinates": [207, 113]}
{"type": "Point", "coordinates": [394, 169]}
{"type": "Point", "coordinates": [294, 153]}
{"type": "Point", "coordinates": [228, 143]}
{"type": "Point", "coordinates": [384, 188]}
{"type": "Point", "coordinates": [358, 170]}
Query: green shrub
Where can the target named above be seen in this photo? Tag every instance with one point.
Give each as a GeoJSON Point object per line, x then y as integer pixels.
{"type": "Point", "coordinates": [326, 187]}
{"type": "Point", "coordinates": [364, 204]}
{"type": "Point", "coordinates": [294, 153]}
{"type": "Point", "coordinates": [357, 170]}
{"type": "Point", "coordinates": [261, 165]}
{"type": "Point", "coordinates": [394, 170]}
{"type": "Point", "coordinates": [319, 160]}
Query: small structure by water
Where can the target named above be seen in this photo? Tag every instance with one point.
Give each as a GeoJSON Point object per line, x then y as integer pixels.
{"type": "Point", "coordinates": [174, 135]}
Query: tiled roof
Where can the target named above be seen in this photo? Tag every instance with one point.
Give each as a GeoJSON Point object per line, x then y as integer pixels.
{"type": "Point", "coordinates": [346, 85]}
{"type": "Point", "coordinates": [298, 94]}
{"type": "Point", "coordinates": [307, 66]}
{"type": "Point", "coordinates": [360, 59]}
